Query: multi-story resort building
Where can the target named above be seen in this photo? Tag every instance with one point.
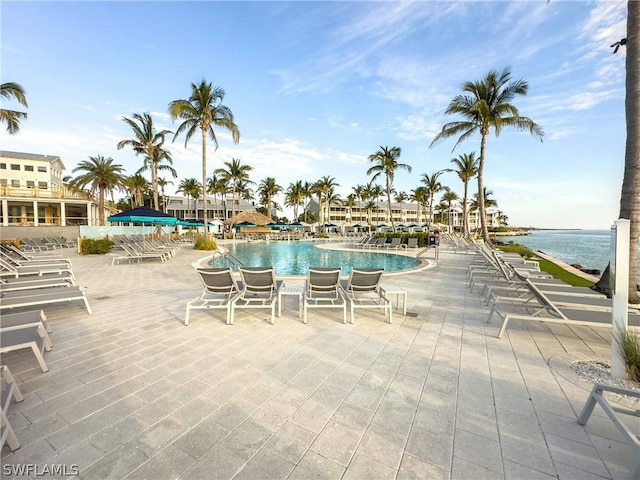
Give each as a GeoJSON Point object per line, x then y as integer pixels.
{"type": "Point", "coordinates": [187, 208]}
{"type": "Point", "coordinates": [405, 214]}
{"type": "Point", "coordinates": [33, 193]}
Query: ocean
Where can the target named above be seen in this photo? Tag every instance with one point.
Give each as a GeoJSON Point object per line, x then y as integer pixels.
{"type": "Point", "coordinates": [588, 248]}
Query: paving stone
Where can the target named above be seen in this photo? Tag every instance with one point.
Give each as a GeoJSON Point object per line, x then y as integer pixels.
{"type": "Point", "coordinates": [365, 467]}
{"type": "Point", "coordinates": [291, 442]}
{"type": "Point", "coordinates": [169, 463]}
{"type": "Point", "coordinates": [317, 467]}
{"type": "Point", "coordinates": [413, 468]}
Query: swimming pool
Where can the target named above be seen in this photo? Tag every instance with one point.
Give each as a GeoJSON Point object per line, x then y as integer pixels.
{"type": "Point", "coordinates": [294, 258]}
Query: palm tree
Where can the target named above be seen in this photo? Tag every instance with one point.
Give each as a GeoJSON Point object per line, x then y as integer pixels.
{"type": "Point", "coordinates": [401, 197]}
{"type": "Point", "coordinates": [448, 197]}
{"type": "Point", "coordinates": [485, 104]}
{"type": "Point", "coordinates": [149, 143]}
{"type": "Point", "coordinates": [11, 117]}
{"type": "Point", "coordinates": [162, 184]}
{"type": "Point", "coordinates": [466, 168]}
{"type": "Point", "coordinates": [268, 189]}
{"type": "Point", "coordinates": [325, 190]}
{"type": "Point", "coordinates": [218, 185]}
{"type": "Point", "coordinates": [386, 162]}
{"type": "Point", "coordinates": [294, 197]}
{"type": "Point", "coordinates": [485, 201]}
{"type": "Point", "coordinates": [350, 203]}
{"type": "Point", "coordinates": [102, 175]}
{"type": "Point", "coordinates": [420, 195]}
{"type": "Point", "coordinates": [235, 174]}
{"type": "Point", "coordinates": [203, 111]}
{"type": "Point", "coordinates": [307, 193]}
{"type": "Point", "coordinates": [137, 186]}
{"type": "Point", "coordinates": [373, 191]}
{"type": "Point", "coordinates": [359, 191]}
{"type": "Point", "coordinates": [433, 186]}
{"type": "Point", "coordinates": [369, 206]}
{"type": "Point", "coordinates": [191, 188]}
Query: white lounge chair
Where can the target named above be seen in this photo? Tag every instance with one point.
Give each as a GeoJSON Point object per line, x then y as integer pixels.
{"type": "Point", "coordinates": [220, 290]}
{"type": "Point", "coordinates": [32, 337]}
{"type": "Point", "coordinates": [42, 297]}
{"type": "Point", "coordinates": [259, 290]}
{"type": "Point", "coordinates": [362, 289]}
{"type": "Point", "coordinates": [10, 391]}
{"type": "Point", "coordinates": [322, 290]}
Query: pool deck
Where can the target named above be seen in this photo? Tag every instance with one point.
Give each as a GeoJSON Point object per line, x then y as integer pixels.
{"type": "Point", "coordinates": [133, 393]}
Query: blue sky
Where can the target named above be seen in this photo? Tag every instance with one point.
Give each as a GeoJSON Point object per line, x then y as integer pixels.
{"type": "Point", "coordinates": [317, 87]}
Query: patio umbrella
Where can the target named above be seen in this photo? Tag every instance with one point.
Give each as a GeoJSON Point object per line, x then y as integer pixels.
{"type": "Point", "coordinates": [144, 215]}
{"type": "Point", "coordinates": [296, 225]}
{"type": "Point", "coordinates": [246, 224]}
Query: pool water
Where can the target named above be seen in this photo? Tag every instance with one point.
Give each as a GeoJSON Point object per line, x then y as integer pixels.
{"type": "Point", "coordinates": [294, 258]}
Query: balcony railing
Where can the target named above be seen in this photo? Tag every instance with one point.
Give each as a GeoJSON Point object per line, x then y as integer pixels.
{"type": "Point", "coordinates": [37, 192]}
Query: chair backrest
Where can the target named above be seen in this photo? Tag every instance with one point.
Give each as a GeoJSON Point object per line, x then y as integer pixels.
{"type": "Point", "coordinates": [258, 280]}
{"type": "Point", "coordinates": [218, 280]}
{"type": "Point", "coordinates": [543, 299]}
{"type": "Point", "coordinates": [381, 241]}
{"type": "Point", "coordinates": [412, 242]}
{"type": "Point", "coordinates": [323, 281]}
{"type": "Point", "coordinates": [395, 241]}
{"type": "Point", "coordinates": [364, 280]}
{"type": "Point", "coordinates": [4, 265]}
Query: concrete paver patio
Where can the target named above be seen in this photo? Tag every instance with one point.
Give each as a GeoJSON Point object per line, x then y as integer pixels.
{"type": "Point", "coordinates": [133, 393]}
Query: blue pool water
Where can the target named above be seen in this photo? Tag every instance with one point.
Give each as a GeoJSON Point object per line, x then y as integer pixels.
{"type": "Point", "coordinates": [294, 258]}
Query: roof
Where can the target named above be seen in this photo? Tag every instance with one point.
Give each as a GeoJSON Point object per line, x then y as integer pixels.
{"type": "Point", "coordinates": [31, 156]}
{"type": "Point", "coordinates": [253, 217]}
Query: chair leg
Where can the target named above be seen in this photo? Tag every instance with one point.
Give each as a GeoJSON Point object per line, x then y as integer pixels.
{"type": "Point", "coordinates": [186, 315]}
{"type": "Point", "coordinates": [39, 357]}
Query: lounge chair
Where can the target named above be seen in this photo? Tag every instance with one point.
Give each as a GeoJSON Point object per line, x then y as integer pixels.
{"type": "Point", "coordinates": [322, 290]}
{"type": "Point", "coordinates": [10, 391]}
{"type": "Point", "coordinates": [33, 282]}
{"type": "Point", "coordinates": [8, 270]}
{"type": "Point", "coordinates": [362, 289]}
{"type": "Point", "coordinates": [369, 242]}
{"type": "Point", "coordinates": [412, 242]}
{"type": "Point", "coordinates": [395, 243]}
{"type": "Point", "coordinates": [563, 309]}
{"type": "Point", "coordinates": [33, 318]}
{"type": "Point", "coordinates": [220, 290]}
{"type": "Point", "coordinates": [35, 262]}
{"type": "Point", "coordinates": [259, 290]}
{"type": "Point", "coordinates": [612, 411]}
{"type": "Point", "coordinates": [380, 243]}
{"type": "Point", "coordinates": [32, 337]}
{"type": "Point", "coordinates": [42, 297]}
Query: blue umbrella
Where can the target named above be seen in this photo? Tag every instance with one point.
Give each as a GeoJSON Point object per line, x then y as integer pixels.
{"type": "Point", "coordinates": [144, 215]}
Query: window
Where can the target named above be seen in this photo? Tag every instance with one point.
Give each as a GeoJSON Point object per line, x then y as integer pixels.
{"type": "Point", "coordinates": [15, 166]}
{"type": "Point", "coordinates": [30, 184]}
{"type": "Point", "coordinates": [3, 181]}
{"type": "Point", "coordinates": [15, 183]}
{"type": "Point", "coordinates": [42, 185]}
{"type": "Point", "coordinates": [42, 169]}
{"type": "Point", "coordinates": [3, 166]}
{"type": "Point", "coordinates": [28, 168]}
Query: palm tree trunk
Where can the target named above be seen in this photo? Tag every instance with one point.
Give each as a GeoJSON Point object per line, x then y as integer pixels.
{"type": "Point", "coordinates": [205, 217]}
{"type": "Point", "coordinates": [154, 183]}
{"type": "Point", "coordinates": [482, 211]}
{"type": "Point", "coordinates": [630, 196]}
{"type": "Point", "coordinates": [465, 218]}
{"type": "Point", "coordinates": [393, 225]}
{"type": "Point", "coordinates": [100, 205]}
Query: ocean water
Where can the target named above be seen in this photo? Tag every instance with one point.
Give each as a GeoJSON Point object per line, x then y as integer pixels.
{"type": "Point", "coordinates": [588, 248]}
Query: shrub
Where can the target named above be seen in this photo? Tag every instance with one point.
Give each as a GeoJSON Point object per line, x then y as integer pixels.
{"type": "Point", "coordinates": [92, 246]}
{"type": "Point", "coordinates": [631, 354]}
{"type": "Point", "coordinates": [204, 243]}
{"type": "Point", "coordinates": [512, 247]}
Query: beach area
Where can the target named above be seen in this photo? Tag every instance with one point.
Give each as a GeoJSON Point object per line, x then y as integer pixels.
{"type": "Point", "coordinates": [132, 392]}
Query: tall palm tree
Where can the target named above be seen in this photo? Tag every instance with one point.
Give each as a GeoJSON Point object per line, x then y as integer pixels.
{"type": "Point", "coordinates": [359, 191]}
{"type": "Point", "coordinates": [326, 188]}
{"type": "Point", "coordinates": [466, 168]}
{"type": "Point", "coordinates": [350, 202]}
{"type": "Point", "coordinates": [420, 195]}
{"type": "Point", "coordinates": [191, 188]}
{"type": "Point", "coordinates": [149, 143]}
{"type": "Point", "coordinates": [485, 105]}
{"type": "Point", "coordinates": [11, 117]}
{"type": "Point", "coordinates": [102, 176]}
{"type": "Point", "coordinates": [448, 197]}
{"type": "Point", "coordinates": [137, 186]}
{"type": "Point", "coordinates": [372, 191]}
{"type": "Point", "coordinates": [234, 174]}
{"type": "Point", "coordinates": [294, 197]}
{"type": "Point", "coordinates": [203, 111]}
{"type": "Point", "coordinates": [268, 189]}
{"type": "Point", "coordinates": [162, 184]}
{"type": "Point", "coordinates": [216, 185]}
{"type": "Point", "coordinates": [433, 186]}
{"type": "Point", "coordinates": [386, 162]}
{"type": "Point", "coordinates": [307, 192]}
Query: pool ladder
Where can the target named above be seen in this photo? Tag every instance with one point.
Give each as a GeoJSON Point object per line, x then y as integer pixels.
{"type": "Point", "coordinates": [227, 257]}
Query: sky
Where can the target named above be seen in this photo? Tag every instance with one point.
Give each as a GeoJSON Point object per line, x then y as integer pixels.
{"type": "Point", "coordinates": [317, 87]}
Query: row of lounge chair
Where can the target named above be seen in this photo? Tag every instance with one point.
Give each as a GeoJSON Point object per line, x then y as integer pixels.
{"type": "Point", "coordinates": [46, 244]}
{"type": "Point", "coordinates": [519, 292]}
{"type": "Point", "coordinates": [258, 288]}
{"type": "Point", "coordinates": [139, 249]}
{"type": "Point", "coordinates": [370, 243]}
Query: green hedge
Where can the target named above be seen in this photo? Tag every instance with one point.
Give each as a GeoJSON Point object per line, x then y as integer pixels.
{"type": "Point", "coordinates": [92, 246]}
{"type": "Point", "coordinates": [204, 243]}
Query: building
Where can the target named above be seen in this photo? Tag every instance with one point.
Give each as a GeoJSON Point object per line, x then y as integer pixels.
{"type": "Point", "coordinates": [403, 214]}
{"type": "Point", "coordinates": [33, 193]}
{"type": "Point", "coordinates": [188, 209]}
